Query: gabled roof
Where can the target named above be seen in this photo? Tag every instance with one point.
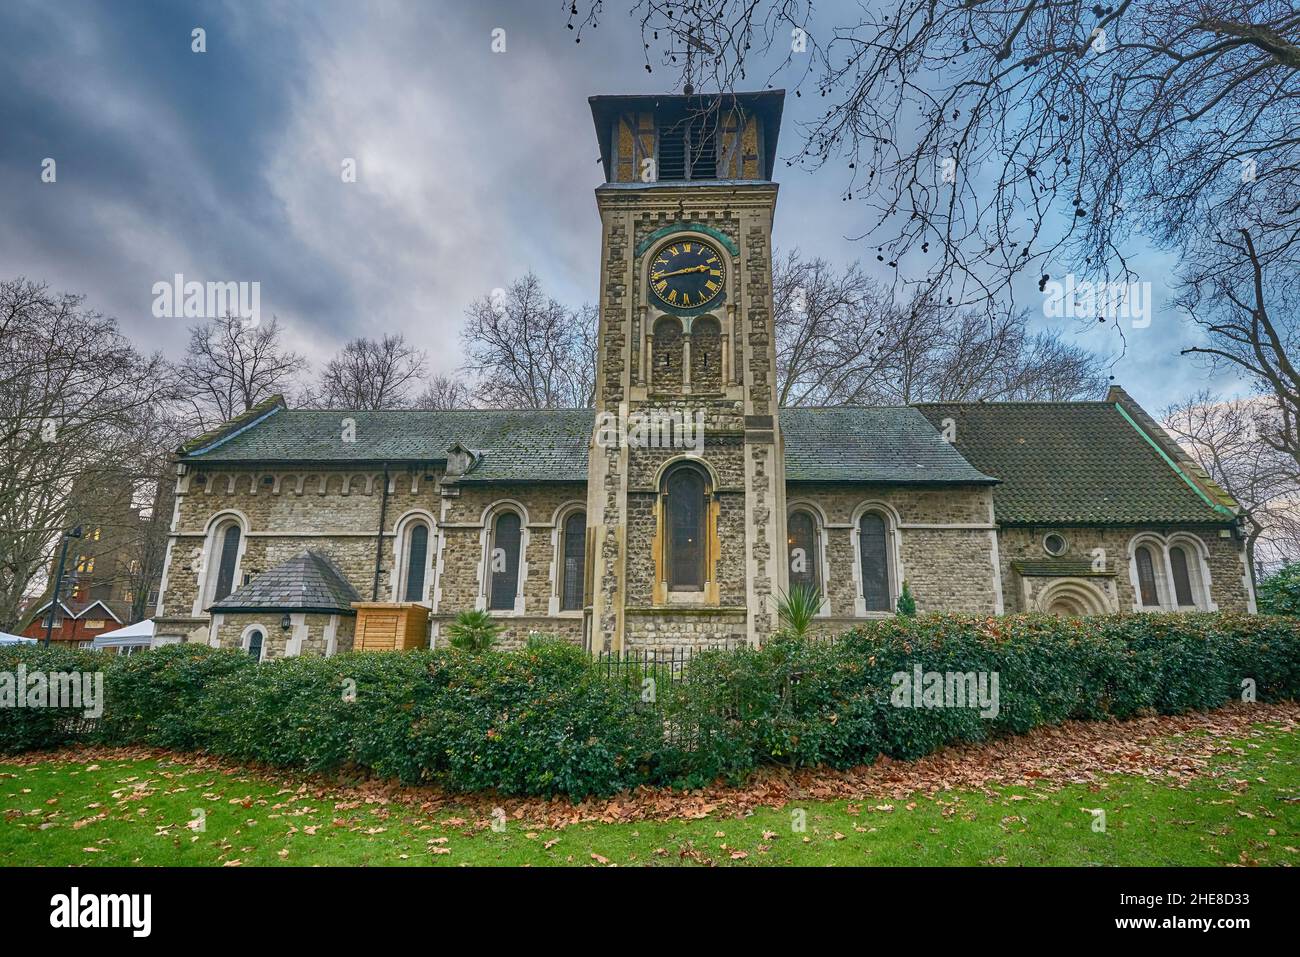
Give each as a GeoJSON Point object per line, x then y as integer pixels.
{"type": "Point", "coordinates": [71, 609]}
{"type": "Point", "coordinates": [536, 446]}
{"type": "Point", "coordinates": [1057, 462]}
{"type": "Point", "coordinates": [891, 444]}
{"type": "Point", "coordinates": [1080, 463]}
{"type": "Point", "coordinates": [307, 582]}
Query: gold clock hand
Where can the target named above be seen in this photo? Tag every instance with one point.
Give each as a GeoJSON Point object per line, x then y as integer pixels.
{"type": "Point", "coordinates": [678, 272]}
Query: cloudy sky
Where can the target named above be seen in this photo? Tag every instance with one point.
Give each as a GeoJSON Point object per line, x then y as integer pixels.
{"type": "Point", "coordinates": [472, 166]}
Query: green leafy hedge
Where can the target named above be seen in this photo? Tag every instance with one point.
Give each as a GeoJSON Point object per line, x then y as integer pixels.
{"type": "Point", "coordinates": [545, 721]}
{"type": "Point", "coordinates": [26, 728]}
{"type": "Point", "coordinates": [1279, 593]}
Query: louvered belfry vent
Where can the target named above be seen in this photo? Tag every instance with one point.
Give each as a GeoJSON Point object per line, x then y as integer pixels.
{"type": "Point", "coordinates": [673, 139]}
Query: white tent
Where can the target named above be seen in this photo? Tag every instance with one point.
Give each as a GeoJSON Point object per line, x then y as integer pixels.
{"type": "Point", "coordinates": [139, 635]}
{"type": "Point", "coordinates": [8, 639]}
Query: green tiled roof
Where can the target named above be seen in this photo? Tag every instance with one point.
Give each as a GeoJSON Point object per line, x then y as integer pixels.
{"type": "Point", "coordinates": [893, 444]}
{"type": "Point", "coordinates": [536, 446]}
{"type": "Point", "coordinates": [879, 444]}
{"type": "Point", "coordinates": [307, 582]}
{"type": "Point", "coordinates": [1071, 463]}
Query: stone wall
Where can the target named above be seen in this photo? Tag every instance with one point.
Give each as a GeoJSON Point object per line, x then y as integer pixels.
{"type": "Point", "coordinates": [517, 629]}
{"type": "Point", "coordinates": [730, 380]}
{"type": "Point", "coordinates": [337, 513]}
{"type": "Point", "coordinates": [464, 536]}
{"type": "Point", "coordinates": [941, 541]}
{"type": "Point", "coordinates": [943, 546]}
{"type": "Point", "coordinates": [665, 629]}
{"type": "Point", "coordinates": [706, 356]}
{"type": "Point", "coordinates": [308, 633]}
{"type": "Point", "coordinates": [1223, 558]}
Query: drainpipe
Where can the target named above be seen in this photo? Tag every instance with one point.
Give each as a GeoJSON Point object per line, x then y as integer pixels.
{"type": "Point", "coordinates": [379, 537]}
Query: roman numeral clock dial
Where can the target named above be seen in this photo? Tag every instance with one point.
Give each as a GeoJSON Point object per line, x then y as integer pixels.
{"type": "Point", "coordinates": [686, 274]}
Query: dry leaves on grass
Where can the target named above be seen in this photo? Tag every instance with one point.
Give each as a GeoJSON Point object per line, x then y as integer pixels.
{"type": "Point", "coordinates": [1173, 749]}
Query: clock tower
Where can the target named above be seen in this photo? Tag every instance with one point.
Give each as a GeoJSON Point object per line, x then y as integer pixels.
{"type": "Point", "coordinates": [686, 481]}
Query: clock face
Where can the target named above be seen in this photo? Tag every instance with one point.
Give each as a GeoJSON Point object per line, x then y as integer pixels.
{"type": "Point", "coordinates": [686, 274]}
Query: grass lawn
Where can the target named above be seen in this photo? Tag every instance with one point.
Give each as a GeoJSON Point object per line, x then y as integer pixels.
{"type": "Point", "coordinates": [140, 813]}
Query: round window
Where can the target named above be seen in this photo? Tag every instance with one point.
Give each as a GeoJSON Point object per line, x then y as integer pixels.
{"type": "Point", "coordinates": [1055, 544]}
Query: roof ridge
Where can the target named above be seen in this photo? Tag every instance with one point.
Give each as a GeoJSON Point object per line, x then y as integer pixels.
{"type": "Point", "coordinates": [229, 429]}
{"type": "Point", "coordinates": [846, 408]}
{"type": "Point", "coordinates": [1021, 402]}
{"type": "Point", "coordinates": [303, 410]}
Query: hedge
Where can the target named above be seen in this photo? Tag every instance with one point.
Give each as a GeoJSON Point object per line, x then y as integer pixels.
{"type": "Point", "coordinates": [544, 721]}
{"type": "Point", "coordinates": [1279, 593]}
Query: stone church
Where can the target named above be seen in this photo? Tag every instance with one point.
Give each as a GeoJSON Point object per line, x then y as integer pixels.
{"type": "Point", "coordinates": [677, 511]}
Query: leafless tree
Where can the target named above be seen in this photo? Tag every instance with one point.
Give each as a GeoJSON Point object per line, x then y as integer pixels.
{"type": "Point", "coordinates": [372, 374]}
{"type": "Point", "coordinates": [73, 392]}
{"type": "Point", "coordinates": [1229, 439]}
{"type": "Point", "coordinates": [526, 350]}
{"type": "Point", "coordinates": [990, 139]}
{"type": "Point", "coordinates": [231, 365]}
{"type": "Point", "coordinates": [160, 431]}
{"type": "Point", "coordinates": [444, 392]}
{"type": "Point", "coordinates": [1251, 325]}
{"type": "Point", "coordinates": [842, 338]}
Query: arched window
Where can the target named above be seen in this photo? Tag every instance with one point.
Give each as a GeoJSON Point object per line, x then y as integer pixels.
{"type": "Point", "coordinates": [873, 556]}
{"type": "Point", "coordinates": [1182, 581]}
{"type": "Point", "coordinates": [686, 511]}
{"type": "Point", "coordinates": [256, 640]}
{"type": "Point", "coordinates": [706, 355]}
{"type": "Point", "coordinates": [224, 559]}
{"type": "Point", "coordinates": [666, 374]}
{"type": "Point", "coordinates": [1146, 572]}
{"type": "Point", "coordinates": [503, 562]}
{"type": "Point", "coordinates": [573, 567]}
{"type": "Point", "coordinates": [803, 554]}
{"type": "Point", "coordinates": [414, 561]}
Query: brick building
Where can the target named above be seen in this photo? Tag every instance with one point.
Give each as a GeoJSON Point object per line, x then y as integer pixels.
{"type": "Point", "coordinates": [105, 584]}
{"type": "Point", "coordinates": [677, 510]}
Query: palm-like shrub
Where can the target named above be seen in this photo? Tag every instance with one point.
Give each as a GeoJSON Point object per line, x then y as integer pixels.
{"type": "Point", "coordinates": [473, 631]}
{"type": "Point", "coordinates": [797, 608]}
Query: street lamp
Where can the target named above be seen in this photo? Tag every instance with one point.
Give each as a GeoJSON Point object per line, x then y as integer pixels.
{"type": "Point", "coordinates": [68, 536]}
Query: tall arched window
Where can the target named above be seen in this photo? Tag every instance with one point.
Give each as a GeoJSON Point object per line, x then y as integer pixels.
{"type": "Point", "coordinates": [803, 554]}
{"type": "Point", "coordinates": [1182, 580]}
{"type": "Point", "coordinates": [224, 559]}
{"type": "Point", "coordinates": [414, 561]}
{"type": "Point", "coordinates": [256, 639]}
{"type": "Point", "coordinates": [873, 556]}
{"type": "Point", "coordinates": [503, 562]}
{"type": "Point", "coordinates": [1146, 571]}
{"type": "Point", "coordinates": [573, 567]}
{"type": "Point", "coordinates": [686, 511]}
